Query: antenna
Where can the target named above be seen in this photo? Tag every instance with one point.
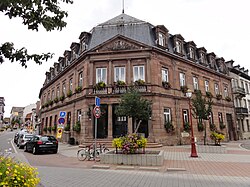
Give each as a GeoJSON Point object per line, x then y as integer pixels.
{"type": "Point", "coordinates": [123, 6]}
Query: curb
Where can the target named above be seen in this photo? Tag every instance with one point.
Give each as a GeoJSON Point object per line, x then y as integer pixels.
{"type": "Point", "coordinates": [176, 169]}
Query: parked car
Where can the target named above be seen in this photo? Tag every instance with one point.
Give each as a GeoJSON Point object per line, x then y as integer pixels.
{"type": "Point", "coordinates": [18, 134]}
{"type": "Point", "coordinates": [40, 143]}
{"type": "Point", "coordinates": [22, 140]}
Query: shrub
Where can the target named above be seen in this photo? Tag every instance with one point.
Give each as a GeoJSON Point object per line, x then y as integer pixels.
{"type": "Point", "coordinates": [120, 83]}
{"type": "Point", "coordinates": [45, 129]}
{"type": "Point", "coordinates": [129, 144]}
{"type": "Point", "coordinates": [50, 102]}
{"type": "Point", "coordinates": [209, 94]}
{"type": "Point", "coordinates": [67, 127]}
{"type": "Point", "coordinates": [217, 137]}
{"type": "Point", "coordinates": [53, 128]}
{"type": "Point", "coordinates": [212, 127]}
{"type": "Point", "coordinates": [218, 96]}
{"type": "Point", "coordinates": [14, 173]}
{"type": "Point", "coordinates": [77, 127]}
{"type": "Point", "coordinates": [49, 128]}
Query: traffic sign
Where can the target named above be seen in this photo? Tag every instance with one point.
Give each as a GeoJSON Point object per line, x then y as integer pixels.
{"type": "Point", "coordinates": [59, 133]}
{"type": "Point", "coordinates": [97, 112]}
{"type": "Point", "coordinates": [62, 114]}
{"type": "Point", "coordinates": [97, 101]}
{"type": "Point", "coordinates": [61, 120]}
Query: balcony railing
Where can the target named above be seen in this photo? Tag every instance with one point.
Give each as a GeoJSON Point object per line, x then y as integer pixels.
{"type": "Point", "coordinates": [118, 89]}
{"type": "Point", "coordinates": [241, 110]}
{"type": "Point", "coordinates": [240, 92]}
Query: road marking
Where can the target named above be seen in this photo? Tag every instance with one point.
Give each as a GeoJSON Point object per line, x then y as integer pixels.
{"type": "Point", "coordinates": [12, 143]}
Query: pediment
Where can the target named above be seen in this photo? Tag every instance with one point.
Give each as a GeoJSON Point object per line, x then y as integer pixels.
{"type": "Point", "coordinates": [120, 43]}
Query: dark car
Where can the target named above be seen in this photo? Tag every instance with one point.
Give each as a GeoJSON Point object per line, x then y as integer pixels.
{"type": "Point", "coordinates": [40, 143]}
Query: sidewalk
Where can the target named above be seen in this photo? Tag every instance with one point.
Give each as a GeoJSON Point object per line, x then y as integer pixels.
{"type": "Point", "coordinates": [236, 162]}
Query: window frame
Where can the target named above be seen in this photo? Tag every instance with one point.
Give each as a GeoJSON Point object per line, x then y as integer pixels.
{"type": "Point", "coordinates": [80, 79]}
{"type": "Point", "coordinates": [139, 76]}
{"type": "Point", "coordinates": [206, 83]}
{"type": "Point", "coordinates": [167, 115]}
{"type": "Point", "coordinates": [195, 83]}
{"type": "Point", "coordinates": [165, 74]}
{"type": "Point", "coordinates": [103, 75]}
{"type": "Point", "coordinates": [121, 75]}
{"type": "Point", "coordinates": [182, 77]}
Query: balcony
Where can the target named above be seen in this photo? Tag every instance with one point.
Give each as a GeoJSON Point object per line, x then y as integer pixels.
{"type": "Point", "coordinates": [241, 110]}
{"type": "Point", "coordinates": [239, 92]}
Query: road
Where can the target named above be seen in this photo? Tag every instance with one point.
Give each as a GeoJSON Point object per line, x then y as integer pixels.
{"type": "Point", "coordinates": [58, 170]}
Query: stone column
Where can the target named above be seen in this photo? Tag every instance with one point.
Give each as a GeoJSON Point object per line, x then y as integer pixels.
{"type": "Point", "coordinates": [129, 71]}
{"type": "Point", "coordinates": [91, 73]}
{"type": "Point", "coordinates": [148, 65]}
{"type": "Point", "coordinates": [130, 126]}
{"type": "Point", "coordinates": [109, 82]}
{"type": "Point", "coordinates": [110, 122]}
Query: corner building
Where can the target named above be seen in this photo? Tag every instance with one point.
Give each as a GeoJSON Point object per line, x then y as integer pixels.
{"type": "Point", "coordinates": [128, 49]}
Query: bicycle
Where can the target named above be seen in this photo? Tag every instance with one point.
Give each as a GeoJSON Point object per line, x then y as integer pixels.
{"type": "Point", "coordinates": [89, 152]}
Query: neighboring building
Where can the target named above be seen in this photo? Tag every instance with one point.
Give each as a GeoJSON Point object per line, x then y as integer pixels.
{"type": "Point", "coordinates": [241, 92]}
{"type": "Point", "coordinates": [1, 111]}
{"type": "Point", "coordinates": [28, 116]}
{"type": "Point", "coordinates": [128, 49]}
{"type": "Point", "coordinates": [16, 115]}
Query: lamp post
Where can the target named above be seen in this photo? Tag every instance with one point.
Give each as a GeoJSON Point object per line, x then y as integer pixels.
{"type": "Point", "coordinates": [193, 147]}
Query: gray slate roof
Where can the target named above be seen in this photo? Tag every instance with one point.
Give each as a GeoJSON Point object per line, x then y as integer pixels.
{"type": "Point", "coordinates": [125, 25]}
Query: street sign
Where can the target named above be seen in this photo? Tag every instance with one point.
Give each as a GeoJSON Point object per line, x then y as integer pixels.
{"type": "Point", "coordinates": [97, 112]}
{"type": "Point", "coordinates": [97, 101]}
{"type": "Point", "coordinates": [61, 120]}
{"type": "Point", "coordinates": [62, 114]}
{"type": "Point", "coordinates": [59, 133]}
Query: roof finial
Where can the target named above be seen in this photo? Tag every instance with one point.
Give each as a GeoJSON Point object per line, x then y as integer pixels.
{"type": "Point", "coordinates": [123, 6]}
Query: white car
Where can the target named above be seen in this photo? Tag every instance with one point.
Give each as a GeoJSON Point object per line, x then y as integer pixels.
{"type": "Point", "coordinates": [23, 139]}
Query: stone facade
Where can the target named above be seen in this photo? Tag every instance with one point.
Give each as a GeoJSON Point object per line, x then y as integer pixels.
{"type": "Point", "coordinates": [125, 48]}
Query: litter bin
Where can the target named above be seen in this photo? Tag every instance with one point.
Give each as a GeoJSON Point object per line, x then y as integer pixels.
{"type": "Point", "coordinates": [72, 141]}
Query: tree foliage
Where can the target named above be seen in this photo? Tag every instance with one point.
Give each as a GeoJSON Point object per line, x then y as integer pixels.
{"type": "Point", "coordinates": [133, 105]}
{"type": "Point", "coordinates": [34, 13]}
{"type": "Point", "coordinates": [201, 106]}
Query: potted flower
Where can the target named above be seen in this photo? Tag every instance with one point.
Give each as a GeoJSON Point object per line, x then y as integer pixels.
{"type": "Point", "coordinates": [69, 94]}
{"type": "Point", "coordinates": [186, 127]}
{"type": "Point", "coordinates": [228, 98]}
{"type": "Point", "coordinates": [139, 82]}
{"type": "Point", "coordinates": [100, 85]}
{"type": "Point", "coordinates": [53, 128]}
{"type": "Point", "coordinates": [78, 89]}
{"type": "Point", "coordinates": [217, 137]}
{"type": "Point", "coordinates": [209, 94]}
{"type": "Point", "coordinates": [166, 84]}
{"type": "Point", "coordinates": [222, 126]}
{"type": "Point", "coordinates": [169, 127]}
{"type": "Point", "coordinates": [120, 83]}
{"type": "Point", "coordinates": [184, 89]}
{"type": "Point", "coordinates": [56, 100]}
{"type": "Point", "coordinates": [50, 102]}
{"type": "Point", "coordinates": [62, 98]}
{"type": "Point", "coordinates": [218, 96]}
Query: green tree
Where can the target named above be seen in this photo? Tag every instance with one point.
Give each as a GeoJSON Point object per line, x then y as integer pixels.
{"type": "Point", "coordinates": [34, 13]}
{"type": "Point", "coordinates": [134, 106]}
{"type": "Point", "coordinates": [201, 108]}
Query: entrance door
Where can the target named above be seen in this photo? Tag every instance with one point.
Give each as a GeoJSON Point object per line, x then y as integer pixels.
{"type": "Point", "coordinates": [230, 127]}
{"type": "Point", "coordinates": [102, 123]}
{"type": "Point", "coordinates": [120, 124]}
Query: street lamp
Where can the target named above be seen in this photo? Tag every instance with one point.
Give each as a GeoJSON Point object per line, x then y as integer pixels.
{"type": "Point", "coordinates": [193, 147]}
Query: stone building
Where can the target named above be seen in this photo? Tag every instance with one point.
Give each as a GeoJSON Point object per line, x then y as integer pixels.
{"type": "Point", "coordinates": [128, 49]}
{"type": "Point", "coordinates": [241, 95]}
{"type": "Point", "coordinates": [2, 104]}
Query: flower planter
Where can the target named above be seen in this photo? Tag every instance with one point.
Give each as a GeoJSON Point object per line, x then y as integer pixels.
{"type": "Point", "coordinates": [211, 149]}
{"type": "Point", "coordinates": [150, 158]}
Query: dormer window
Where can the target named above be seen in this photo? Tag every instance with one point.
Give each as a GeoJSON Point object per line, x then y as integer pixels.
{"type": "Point", "coordinates": [83, 45]}
{"type": "Point", "coordinates": [191, 53]}
{"type": "Point", "coordinates": [161, 38]}
{"type": "Point", "coordinates": [178, 47]}
{"type": "Point", "coordinates": [178, 41]}
{"type": "Point", "coordinates": [202, 58]}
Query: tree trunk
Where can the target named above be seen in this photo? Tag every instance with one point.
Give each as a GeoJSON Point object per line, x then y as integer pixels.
{"type": "Point", "coordinates": [137, 127]}
{"type": "Point", "coordinates": [205, 134]}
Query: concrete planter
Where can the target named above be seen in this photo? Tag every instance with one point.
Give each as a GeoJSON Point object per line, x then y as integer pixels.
{"type": "Point", "coordinates": [150, 158]}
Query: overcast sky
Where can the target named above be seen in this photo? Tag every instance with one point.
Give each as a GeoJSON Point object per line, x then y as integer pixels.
{"type": "Point", "coordinates": [221, 26]}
